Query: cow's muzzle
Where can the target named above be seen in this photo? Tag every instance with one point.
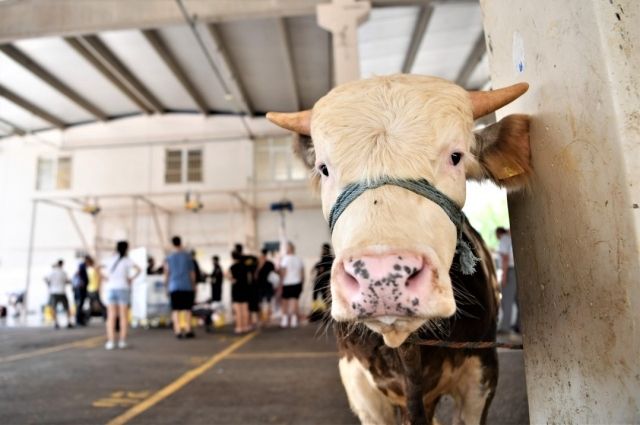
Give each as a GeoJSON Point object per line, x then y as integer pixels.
{"type": "Point", "coordinates": [379, 286]}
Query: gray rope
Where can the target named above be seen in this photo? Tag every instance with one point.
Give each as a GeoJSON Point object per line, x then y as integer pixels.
{"type": "Point", "coordinates": [420, 187]}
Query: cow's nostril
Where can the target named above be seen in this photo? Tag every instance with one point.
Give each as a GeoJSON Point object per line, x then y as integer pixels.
{"type": "Point", "coordinates": [413, 277]}
{"type": "Point", "coordinates": [349, 280]}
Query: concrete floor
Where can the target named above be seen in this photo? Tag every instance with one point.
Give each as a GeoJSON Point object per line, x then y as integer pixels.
{"type": "Point", "coordinates": [277, 377]}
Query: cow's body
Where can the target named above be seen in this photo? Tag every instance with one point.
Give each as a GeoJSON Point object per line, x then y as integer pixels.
{"type": "Point", "coordinates": [391, 156]}
{"type": "Point", "coordinates": [368, 366]}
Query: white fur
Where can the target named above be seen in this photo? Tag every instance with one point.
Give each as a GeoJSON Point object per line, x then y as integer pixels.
{"type": "Point", "coordinates": [371, 406]}
{"type": "Point", "coordinates": [366, 400]}
{"type": "Point", "coordinates": [469, 392]}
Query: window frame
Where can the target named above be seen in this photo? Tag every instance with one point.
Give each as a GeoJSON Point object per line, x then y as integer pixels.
{"type": "Point", "coordinates": [55, 184]}
{"type": "Point", "coordinates": [272, 147]}
{"type": "Point", "coordinates": [185, 172]}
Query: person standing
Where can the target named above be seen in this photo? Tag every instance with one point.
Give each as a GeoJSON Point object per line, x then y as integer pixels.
{"type": "Point", "coordinates": [266, 270]}
{"type": "Point", "coordinates": [80, 283]}
{"type": "Point", "coordinates": [57, 281]}
{"type": "Point", "coordinates": [508, 285]}
{"type": "Point", "coordinates": [93, 289]}
{"type": "Point", "coordinates": [121, 272]}
{"type": "Point", "coordinates": [196, 268]}
{"type": "Point", "coordinates": [238, 275]}
{"type": "Point", "coordinates": [180, 278]}
{"type": "Point", "coordinates": [216, 280]}
{"type": "Point", "coordinates": [321, 284]}
{"type": "Point", "coordinates": [250, 263]}
{"type": "Point", "coordinates": [292, 276]}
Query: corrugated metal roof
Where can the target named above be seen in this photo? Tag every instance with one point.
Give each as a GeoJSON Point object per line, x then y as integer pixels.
{"type": "Point", "coordinates": [278, 63]}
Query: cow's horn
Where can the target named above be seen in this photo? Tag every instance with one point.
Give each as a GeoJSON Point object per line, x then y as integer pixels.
{"type": "Point", "coordinates": [300, 122]}
{"type": "Point", "coordinates": [485, 102]}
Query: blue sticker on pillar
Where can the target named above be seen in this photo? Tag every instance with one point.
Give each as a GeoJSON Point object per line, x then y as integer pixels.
{"type": "Point", "coordinates": [518, 53]}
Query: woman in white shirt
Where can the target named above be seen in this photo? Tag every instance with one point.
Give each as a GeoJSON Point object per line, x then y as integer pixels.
{"type": "Point", "coordinates": [292, 277]}
{"type": "Point", "coordinates": [118, 286]}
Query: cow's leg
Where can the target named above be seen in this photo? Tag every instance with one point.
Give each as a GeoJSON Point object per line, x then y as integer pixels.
{"type": "Point", "coordinates": [474, 392]}
{"type": "Point", "coordinates": [367, 402]}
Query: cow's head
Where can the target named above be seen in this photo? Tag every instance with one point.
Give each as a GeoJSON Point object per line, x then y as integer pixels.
{"type": "Point", "coordinates": [394, 248]}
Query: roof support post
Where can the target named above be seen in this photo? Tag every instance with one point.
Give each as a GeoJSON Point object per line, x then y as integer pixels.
{"type": "Point", "coordinates": [35, 110]}
{"type": "Point", "coordinates": [286, 48]}
{"type": "Point", "coordinates": [111, 61]}
{"type": "Point", "coordinates": [471, 63]}
{"type": "Point", "coordinates": [161, 48]}
{"type": "Point", "coordinates": [419, 30]}
{"type": "Point", "coordinates": [342, 18]}
{"type": "Point", "coordinates": [32, 236]}
{"type": "Point", "coordinates": [84, 50]}
{"type": "Point", "coordinates": [20, 57]}
{"type": "Point", "coordinates": [76, 226]}
{"type": "Point", "coordinates": [14, 128]}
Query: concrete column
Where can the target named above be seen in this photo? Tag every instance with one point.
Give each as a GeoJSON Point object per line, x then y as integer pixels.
{"type": "Point", "coordinates": [32, 238]}
{"type": "Point", "coordinates": [576, 231]}
{"type": "Point", "coordinates": [342, 18]}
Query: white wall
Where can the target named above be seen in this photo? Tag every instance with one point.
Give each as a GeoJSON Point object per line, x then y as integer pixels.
{"type": "Point", "coordinates": [127, 157]}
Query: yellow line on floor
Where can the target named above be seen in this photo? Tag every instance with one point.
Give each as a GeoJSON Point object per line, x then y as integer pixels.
{"type": "Point", "coordinates": [183, 380]}
{"type": "Point", "coordinates": [283, 355]}
{"type": "Point", "coordinates": [83, 343]}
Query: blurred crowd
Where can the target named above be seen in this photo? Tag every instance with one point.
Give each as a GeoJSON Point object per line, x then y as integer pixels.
{"type": "Point", "coordinates": [265, 289]}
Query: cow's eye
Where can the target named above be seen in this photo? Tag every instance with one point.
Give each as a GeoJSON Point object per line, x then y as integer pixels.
{"type": "Point", "coordinates": [324, 170]}
{"type": "Point", "coordinates": [456, 157]}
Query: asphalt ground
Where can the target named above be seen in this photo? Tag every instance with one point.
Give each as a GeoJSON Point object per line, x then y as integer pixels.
{"type": "Point", "coordinates": [271, 377]}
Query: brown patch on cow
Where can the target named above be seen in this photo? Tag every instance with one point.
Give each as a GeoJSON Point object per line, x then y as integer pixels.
{"type": "Point", "coordinates": [503, 152]}
{"type": "Point", "coordinates": [470, 374]}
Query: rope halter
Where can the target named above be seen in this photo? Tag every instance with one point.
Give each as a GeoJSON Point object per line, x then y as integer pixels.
{"type": "Point", "coordinates": [420, 187]}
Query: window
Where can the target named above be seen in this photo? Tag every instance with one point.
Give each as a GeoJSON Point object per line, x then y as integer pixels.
{"type": "Point", "coordinates": [275, 161]}
{"type": "Point", "coordinates": [54, 173]}
{"type": "Point", "coordinates": [183, 166]}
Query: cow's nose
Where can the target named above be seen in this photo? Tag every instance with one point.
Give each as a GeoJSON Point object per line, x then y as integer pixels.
{"type": "Point", "coordinates": [384, 284]}
{"type": "Point", "coordinates": [383, 270]}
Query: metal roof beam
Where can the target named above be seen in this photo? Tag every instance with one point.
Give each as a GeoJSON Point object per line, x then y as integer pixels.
{"type": "Point", "coordinates": [471, 63]}
{"type": "Point", "coordinates": [86, 52]}
{"type": "Point", "coordinates": [111, 61]}
{"type": "Point", "coordinates": [224, 68]}
{"type": "Point", "coordinates": [37, 18]}
{"type": "Point", "coordinates": [14, 128]}
{"type": "Point", "coordinates": [419, 30]}
{"type": "Point", "coordinates": [161, 48]}
{"type": "Point", "coordinates": [20, 57]}
{"type": "Point", "coordinates": [35, 110]}
{"type": "Point", "coordinates": [285, 42]}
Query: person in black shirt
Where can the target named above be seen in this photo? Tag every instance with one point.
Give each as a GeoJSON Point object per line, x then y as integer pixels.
{"type": "Point", "coordinates": [250, 263]}
{"type": "Point", "coordinates": [216, 280]}
{"type": "Point", "coordinates": [322, 282]}
{"type": "Point", "coordinates": [80, 283]}
{"type": "Point", "coordinates": [238, 274]}
{"type": "Point", "coordinates": [265, 286]}
{"type": "Point", "coordinates": [322, 268]}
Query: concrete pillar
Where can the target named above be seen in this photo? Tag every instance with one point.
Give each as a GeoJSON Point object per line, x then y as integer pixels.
{"type": "Point", "coordinates": [576, 231]}
{"type": "Point", "coordinates": [342, 18]}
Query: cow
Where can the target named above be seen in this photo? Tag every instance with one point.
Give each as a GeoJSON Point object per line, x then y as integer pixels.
{"type": "Point", "coordinates": [390, 157]}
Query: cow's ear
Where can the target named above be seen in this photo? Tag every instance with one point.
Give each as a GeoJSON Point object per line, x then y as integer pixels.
{"type": "Point", "coordinates": [503, 154]}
